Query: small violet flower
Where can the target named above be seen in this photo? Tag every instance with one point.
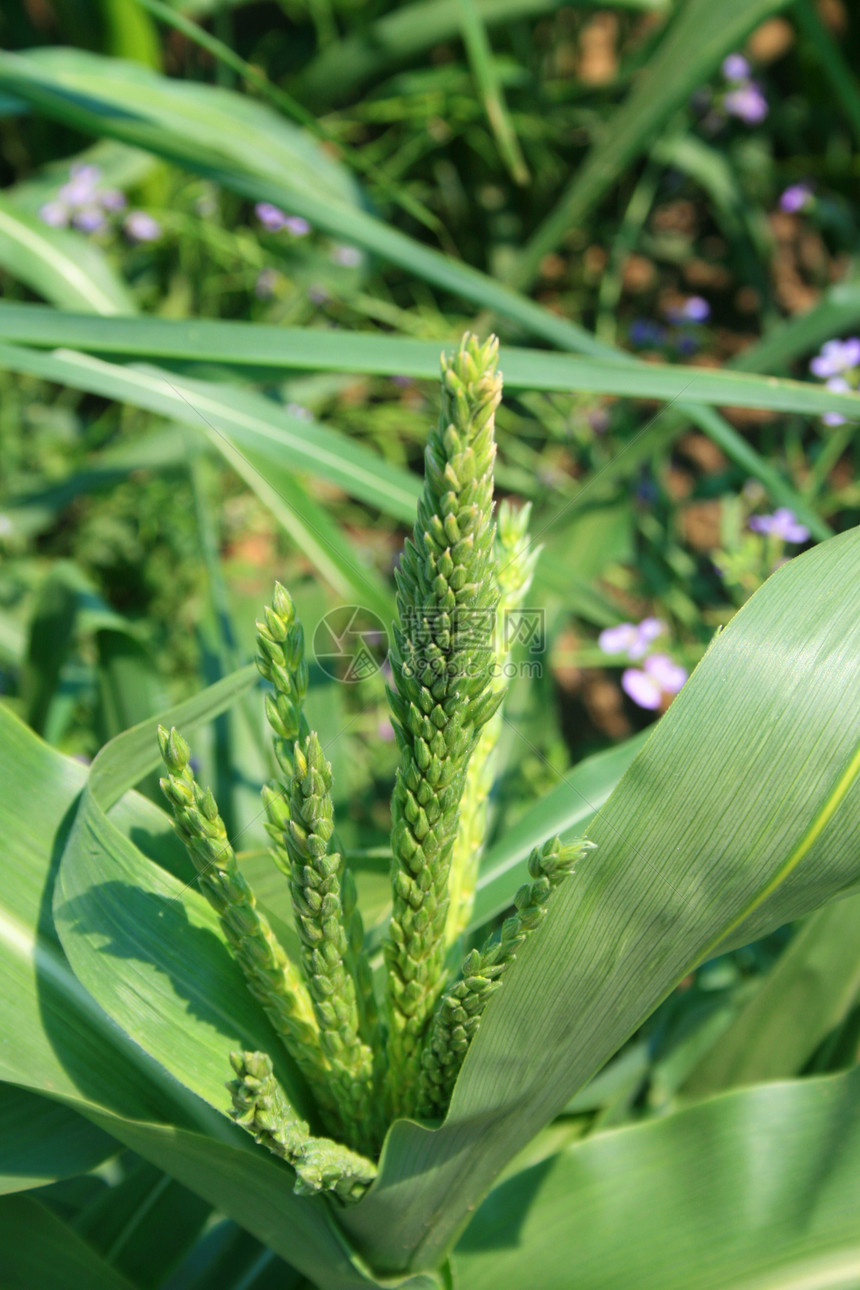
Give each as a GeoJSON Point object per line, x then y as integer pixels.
{"type": "Point", "coordinates": [744, 97]}
{"type": "Point", "coordinates": [658, 679]}
{"type": "Point", "coordinates": [736, 68]}
{"type": "Point", "coordinates": [747, 103]}
{"type": "Point", "coordinates": [55, 213]}
{"type": "Point", "coordinates": [83, 205]}
{"type": "Point", "coordinates": [694, 309]}
{"type": "Point", "coordinates": [89, 219]}
{"type": "Point", "coordinates": [297, 226]}
{"type": "Point", "coordinates": [271, 217]}
{"type": "Point", "coordinates": [836, 357]}
{"type": "Point", "coordinates": [631, 639]}
{"type": "Point", "coordinates": [112, 200]}
{"type": "Point", "coordinates": [783, 523]}
{"type": "Point", "coordinates": [80, 188]}
{"type": "Point", "coordinates": [797, 197]}
{"type": "Point", "coordinates": [838, 364]}
{"type": "Point", "coordinates": [141, 227]}
{"type": "Point", "coordinates": [274, 220]}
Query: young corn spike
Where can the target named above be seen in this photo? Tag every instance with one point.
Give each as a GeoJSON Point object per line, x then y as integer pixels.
{"type": "Point", "coordinates": [515, 562]}
{"type": "Point", "coordinates": [260, 1107]}
{"type": "Point", "coordinates": [281, 660]}
{"type": "Point", "coordinates": [323, 924]}
{"type": "Point", "coordinates": [270, 975]}
{"type": "Point", "coordinates": [460, 1010]}
{"type": "Point", "coordinates": [442, 695]}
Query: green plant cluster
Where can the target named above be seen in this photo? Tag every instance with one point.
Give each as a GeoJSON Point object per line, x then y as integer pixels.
{"type": "Point", "coordinates": [367, 1064]}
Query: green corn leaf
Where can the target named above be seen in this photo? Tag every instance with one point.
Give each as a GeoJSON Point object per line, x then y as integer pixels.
{"type": "Point", "coordinates": [717, 833]}
{"type": "Point", "coordinates": [55, 1022]}
{"type": "Point", "coordinates": [144, 1223]}
{"type": "Point", "coordinates": [130, 687]}
{"type": "Point", "coordinates": [64, 1046]}
{"type": "Point", "coordinates": [39, 1249]}
{"type": "Point", "coordinates": [755, 1190]}
{"type": "Point", "coordinates": [806, 994]}
{"type": "Point", "coordinates": [41, 1141]}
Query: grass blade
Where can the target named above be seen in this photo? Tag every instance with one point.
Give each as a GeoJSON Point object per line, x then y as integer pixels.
{"type": "Point", "coordinates": [480, 56]}
{"type": "Point", "coordinates": [700, 35]}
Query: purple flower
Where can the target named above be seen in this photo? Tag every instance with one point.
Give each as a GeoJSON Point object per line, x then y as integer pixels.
{"type": "Point", "coordinates": [658, 678]}
{"type": "Point", "coordinates": [318, 294]}
{"type": "Point", "coordinates": [274, 220]}
{"type": "Point", "coordinates": [78, 201]}
{"type": "Point", "coordinates": [649, 629]}
{"type": "Point", "coordinates": [112, 200]}
{"type": "Point", "coordinates": [747, 102]}
{"type": "Point", "coordinates": [631, 639]}
{"type": "Point", "coordinates": [783, 523]}
{"type": "Point", "coordinates": [838, 385]}
{"type": "Point", "coordinates": [797, 197]}
{"type": "Point", "coordinates": [297, 226]}
{"type": "Point", "coordinates": [736, 67]}
{"type": "Point", "coordinates": [618, 640]}
{"type": "Point", "coordinates": [141, 227]}
{"type": "Point", "coordinates": [836, 357]}
{"type": "Point", "coordinates": [668, 674]}
{"type": "Point", "coordinates": [55, 213]}
{"type": "Point", "coordinates": [694, 309]}
{"type": "Point", "coordinates": [89, 219]}
{"type": "Point", "coordinates": [271, 217]}
{"type": "Point", "coordinates": [80, 188]}
{"type": "Point", "coordinates": [347, 256]}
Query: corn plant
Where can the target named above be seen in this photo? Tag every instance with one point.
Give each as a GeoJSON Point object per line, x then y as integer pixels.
{"type": "Point", "coordinates": [372, 1105]}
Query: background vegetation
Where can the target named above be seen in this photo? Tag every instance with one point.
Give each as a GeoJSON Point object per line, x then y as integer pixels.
{"type": "Point", "coordinates": [228, 264]}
